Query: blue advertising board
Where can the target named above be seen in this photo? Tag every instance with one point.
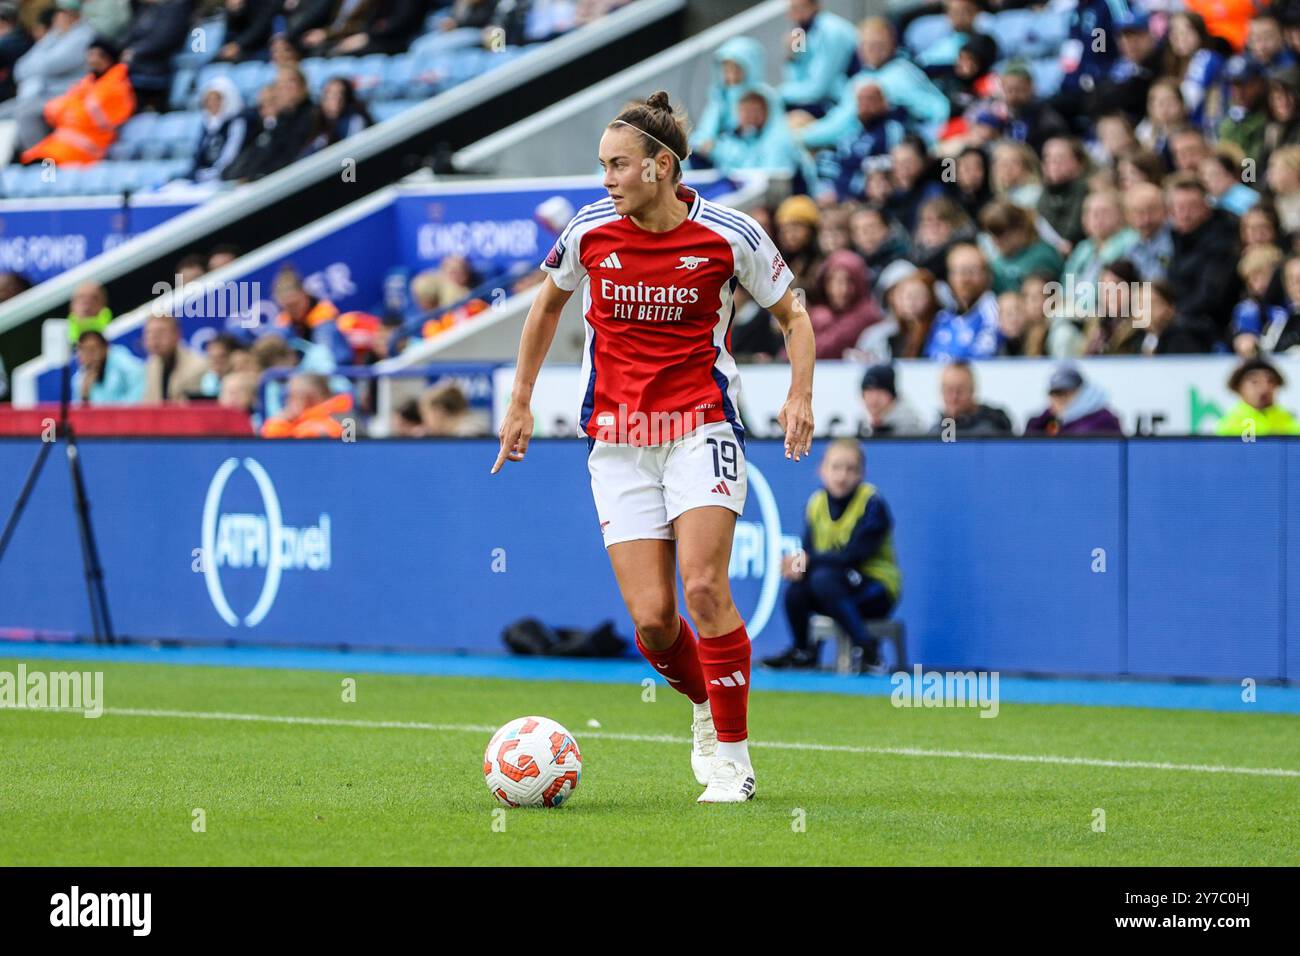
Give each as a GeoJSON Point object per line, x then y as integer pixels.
{"type": "Point", "coordinates": [1091, 557]}
{"type": "Point", "coordinates": [42, 239]}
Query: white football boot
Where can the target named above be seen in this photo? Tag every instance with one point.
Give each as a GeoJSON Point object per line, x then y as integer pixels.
{"type": "Point", "coordinates": [704, 742]}
{"type": "Point", "coordinates": [730, 782]}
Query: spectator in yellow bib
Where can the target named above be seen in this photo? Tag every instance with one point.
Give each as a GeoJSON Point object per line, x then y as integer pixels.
{"type": "Point", "coordinates": [1257, 382]}
{"type": "Point", "coordinates": [847, 569]}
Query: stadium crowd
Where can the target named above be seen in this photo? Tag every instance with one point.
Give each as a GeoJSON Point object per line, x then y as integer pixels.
{"type": "Point", "coordinates": [1135, 193]}
{"type": "Point", "coordinates": [74, 72]}
{"type": "Point", "coordinates": [970, 179]}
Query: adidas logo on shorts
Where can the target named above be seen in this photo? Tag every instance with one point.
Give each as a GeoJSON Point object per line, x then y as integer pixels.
{"type": "Point", "coordinates": [721, 489]}
{"type": "Point", "coordinates": [611, 261]}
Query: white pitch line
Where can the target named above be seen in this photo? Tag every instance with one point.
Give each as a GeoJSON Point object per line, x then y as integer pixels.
{"type": "Point", "coordinates": [668, 739]}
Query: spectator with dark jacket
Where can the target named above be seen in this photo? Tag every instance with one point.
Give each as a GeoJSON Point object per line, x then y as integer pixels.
{"type": "Point", "coordinates": [341, 113]}
{"type": "Point", "coordinates": [1125, 82]}
{"type": "Point", "coordinates": [847, 568]}
{"type": "Point", "coordinates": [388, 26]}
{"type": "Point", "coordinates": [1065, 186]}
{"type": "Point", "coordinates": [288, 118]}
{"type": "Point", "coordinates": [963, 416]}
{"type": "Point", "coordinates": [158, 31]}
{"type": "Point", "coordinates": [1204, 264]}
{"type": "Point", "coordinates": [14, 42]}
{"type": "Point", "coordinates": [303, 16]}
{"type": "Point", "coordinates": [1075, 407]}
{"type": "Point", "coordinates": [1029, 119]}
{"type": "Point", "coordinates": [248, 28]}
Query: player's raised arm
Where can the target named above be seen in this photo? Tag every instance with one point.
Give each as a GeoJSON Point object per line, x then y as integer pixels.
{"type": "Point", "coordinates": [796, 415]}
{"type": "Point", "coordinates": [534, 343]}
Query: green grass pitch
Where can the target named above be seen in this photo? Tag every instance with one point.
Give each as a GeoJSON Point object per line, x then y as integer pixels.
{"type": "Point", "coordinates": [358, 787]}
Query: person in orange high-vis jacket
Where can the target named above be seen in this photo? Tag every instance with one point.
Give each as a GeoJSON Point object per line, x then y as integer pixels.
{"type": "Point", "coordinates": [1229, 19]}
{"type": "Point", "coordinates": [309, 410]}
{"type": "Point", "coordinates": [86, 118]}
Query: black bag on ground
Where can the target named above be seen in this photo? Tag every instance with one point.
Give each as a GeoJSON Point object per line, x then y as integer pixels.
{"type": "Point", "coordinates": [529, 636]}
{"type": "Point", "coordinates": [602, 642]}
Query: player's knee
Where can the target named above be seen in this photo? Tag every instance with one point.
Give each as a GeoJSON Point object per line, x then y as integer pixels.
{"type": "Point", "coordinates": [656, 624]}
{"type": "Point", "coordinates": [707, 595]}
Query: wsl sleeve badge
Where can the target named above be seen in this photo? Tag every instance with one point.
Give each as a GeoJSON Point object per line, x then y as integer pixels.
{"type": "Point", "coordinates": [532, 762]}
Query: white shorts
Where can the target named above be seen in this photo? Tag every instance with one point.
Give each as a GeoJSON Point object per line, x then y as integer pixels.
{"type": "Point", "coordinates": [640, 490]}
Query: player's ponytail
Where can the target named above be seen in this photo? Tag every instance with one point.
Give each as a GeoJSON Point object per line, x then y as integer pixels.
{"type": "Point", "coordinates": [661, 127]}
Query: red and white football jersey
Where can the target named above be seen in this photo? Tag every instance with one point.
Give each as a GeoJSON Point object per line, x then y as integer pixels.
{"type": "Point", "coordinates": [658, 309]}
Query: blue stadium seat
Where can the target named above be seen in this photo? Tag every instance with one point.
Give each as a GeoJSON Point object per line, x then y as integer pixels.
{"type": "Point", "coordinates": [182, 88]}
{"type": "Point", "coordinates": [10, 177]}
{"type": "Point", "coordinates": [1030, 34]}
{"type": "Point", "coordinates": [398, 71]}
{"type": "Point", "coordinates": [176, 135]}
{"type": "Point", "coordinates": [24, 182]}
{"type": "Point", "coordinates": [212, 34]}
{"type": "Point", "coordinates": [313, 70]}
{"type": "Point", "coordinates": [93, 180]}
{"type": "Point", "coordinates": [387, 109]}
{"type": "Point", "coordinates": [433, 43]}
{"type": "Point", "coordinates": [924, 32]}
{"type": "Point", "coordinates": [250, 77]}
{"type": "Point", "coordinates": [124, 177]}
{"type": "Point", "coordinates": [133, 135]}
{"type": "Point", "coordinates": [368, 75]}
{"type": "Point", "coordinates": [466, 64]}
{"type": "Point", "coordinates": [1047, 74]}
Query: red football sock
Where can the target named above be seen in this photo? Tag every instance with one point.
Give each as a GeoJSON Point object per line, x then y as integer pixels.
{"type": "Point", "coordinates": [725, 662]}
{"type": "Point", "coordinates": [679, 664]}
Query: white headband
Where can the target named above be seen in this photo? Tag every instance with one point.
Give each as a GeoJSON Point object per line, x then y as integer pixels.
{"type": "Point", "coordinates": [680, 159]}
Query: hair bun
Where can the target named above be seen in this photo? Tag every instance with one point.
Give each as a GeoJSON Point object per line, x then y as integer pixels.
{"type": "Point", "coordinates": [659, 100]}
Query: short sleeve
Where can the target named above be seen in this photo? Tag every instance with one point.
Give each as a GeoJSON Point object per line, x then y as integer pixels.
{"type": "Point", "coordinates": [759, 266]}
{"type": "Point", "coordinates": [563, 263]}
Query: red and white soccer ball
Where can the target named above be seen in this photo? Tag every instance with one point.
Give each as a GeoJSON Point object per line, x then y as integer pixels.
{"type": "Point", "coordinates": [532, 762]}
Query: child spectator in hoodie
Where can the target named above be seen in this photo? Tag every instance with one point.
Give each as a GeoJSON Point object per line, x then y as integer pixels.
{"type": "Point", "coordinates": [738, 69]}
{"type": "Point", "coordinates": [1259, 326]}
{"type": "Point", "coordinates": [847, 568]}
{"type": "Point", "coordinates": [225, 127]}
{"type": "Point", "coordinates": [1258, 413]}
{"type": "Point", "coordinates": [1075, 407]}
{"type": "Point", "coordinates": [843, 168]}
{"type": "Point", "coordinates": [761, 140]}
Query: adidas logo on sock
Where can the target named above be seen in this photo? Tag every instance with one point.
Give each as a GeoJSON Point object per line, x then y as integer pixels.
{"type": "Point", "coordinates": [721, 489]}
{"type": "Point", "coordinates": [737, 679]}
{"type": "Point", "coordinates": [611, 261]}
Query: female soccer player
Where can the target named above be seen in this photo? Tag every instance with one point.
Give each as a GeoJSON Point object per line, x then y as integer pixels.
{"type": "Point", "coordinates": [666, 449]}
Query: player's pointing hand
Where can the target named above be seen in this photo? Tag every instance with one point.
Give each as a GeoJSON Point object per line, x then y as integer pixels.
{"type": "Point", "coordinates": [796, 418]}
{"type": "Point", "coordinates": [516, 431]}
